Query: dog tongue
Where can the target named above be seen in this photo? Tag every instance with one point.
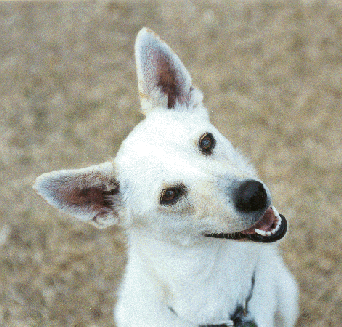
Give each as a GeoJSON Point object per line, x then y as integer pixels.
{"type": "Point", "coordinates": [264, 223]}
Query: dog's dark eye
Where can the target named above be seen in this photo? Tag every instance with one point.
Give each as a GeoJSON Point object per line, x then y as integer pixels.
{"type": "Point", "coordinates": [207, 143]}
{"type": "Point", "coordinates": [171, 195]}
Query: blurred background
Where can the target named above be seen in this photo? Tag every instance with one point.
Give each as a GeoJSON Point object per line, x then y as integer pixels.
{"type": "Point", "coordinates": [271, 73]}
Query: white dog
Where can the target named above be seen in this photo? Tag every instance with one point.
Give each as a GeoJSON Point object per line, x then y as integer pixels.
{"type": "Point", "coordinates": [201, 225]}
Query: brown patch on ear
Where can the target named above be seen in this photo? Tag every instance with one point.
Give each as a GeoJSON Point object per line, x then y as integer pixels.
{"type": "Point", "coordinates": [168, 81]}
{"type": "Point", "coordinates": [95, 197]}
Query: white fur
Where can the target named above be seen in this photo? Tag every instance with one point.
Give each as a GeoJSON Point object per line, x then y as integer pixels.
{"type": "Point", "coordinates": [175, 276]}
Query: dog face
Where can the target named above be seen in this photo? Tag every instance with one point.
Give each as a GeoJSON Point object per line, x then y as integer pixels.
{"type": "Point", "coordinates": [178, 169]}
{"type": "Point", "coordinates": [175, 176]}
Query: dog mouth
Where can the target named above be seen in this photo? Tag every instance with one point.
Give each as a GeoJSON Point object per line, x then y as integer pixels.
{"type": "Point", "coordinates": [271, 227]}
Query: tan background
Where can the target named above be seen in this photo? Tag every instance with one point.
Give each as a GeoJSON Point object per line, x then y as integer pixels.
{"type": "Point", "coordinates": [271, 74]}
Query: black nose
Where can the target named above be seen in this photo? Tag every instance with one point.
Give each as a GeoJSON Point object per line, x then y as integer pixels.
{"type": "Point", "coordinates": [250, 196]}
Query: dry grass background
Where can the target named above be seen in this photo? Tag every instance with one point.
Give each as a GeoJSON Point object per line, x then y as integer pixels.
{"type": "Point", "coordinates": [271, 73]}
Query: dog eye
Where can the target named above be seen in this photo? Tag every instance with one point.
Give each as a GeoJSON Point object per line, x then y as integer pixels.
{"type": "Point", "coordinates": [171, 195]}
{"type": "Point", "coordinates": [207, 143]}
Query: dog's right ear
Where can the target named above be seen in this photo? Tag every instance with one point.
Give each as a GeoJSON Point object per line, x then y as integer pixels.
{"type": "Point", "coordinates": [163, 81]}
{"type": "Point", "coordinates": [90, 194]}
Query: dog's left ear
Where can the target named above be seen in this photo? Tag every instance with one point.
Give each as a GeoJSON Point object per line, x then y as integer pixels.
{"type": "Point", "coordinates": [163, 81]}
{"type": "Point", "coordinates": [90, 194]}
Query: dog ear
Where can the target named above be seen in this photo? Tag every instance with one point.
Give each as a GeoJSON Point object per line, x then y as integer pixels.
{"type": "Point", "coordinates": [163, 81]}
{"type": "Point", "coordinates": [90, 194]}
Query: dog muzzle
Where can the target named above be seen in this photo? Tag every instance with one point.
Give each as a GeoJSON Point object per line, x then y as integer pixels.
{"type": "Point", "coordinates": [271, 227]}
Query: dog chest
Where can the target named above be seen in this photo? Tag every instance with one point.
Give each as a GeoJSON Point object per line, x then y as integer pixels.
{"type": "Point", "coordinates": [202, 283]}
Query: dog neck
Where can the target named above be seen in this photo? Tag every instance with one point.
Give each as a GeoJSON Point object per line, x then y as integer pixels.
{"type": "Point", "coordinates": [198, 273]}
{"type": "Point", "coordinates": [197, 257]}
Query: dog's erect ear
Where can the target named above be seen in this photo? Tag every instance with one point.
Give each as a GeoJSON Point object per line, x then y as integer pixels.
{"type": "Point", "coordinates": [163, 81]}
{"type": "Point", "coordinates": [90, 194]}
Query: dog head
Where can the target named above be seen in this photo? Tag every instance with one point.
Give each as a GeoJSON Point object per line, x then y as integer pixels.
{"type": "Point", "coordinates": [175, 176]}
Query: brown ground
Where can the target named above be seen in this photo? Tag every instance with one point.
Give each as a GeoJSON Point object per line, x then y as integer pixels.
{"type": "Point", "coordinates": [271, 75]}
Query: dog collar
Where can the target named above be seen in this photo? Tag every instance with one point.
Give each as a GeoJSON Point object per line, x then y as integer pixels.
{"type": "Point", "coordinates": [240, 318]}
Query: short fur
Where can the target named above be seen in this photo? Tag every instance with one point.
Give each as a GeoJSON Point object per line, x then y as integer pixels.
{"type": "Point", "coordinates": [177, 276]}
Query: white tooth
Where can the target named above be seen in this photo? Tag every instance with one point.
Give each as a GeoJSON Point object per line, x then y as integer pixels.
{"type": "Point", "coordinates": [273, 231]}
{"type": "Point", "coordinates": [277, 226]}
{"type": "Point", "coordinates": [260, 232]}
{"type": "Point", "coordinates": [279, 221]}
{"type": "Point", "coordinates": [276, 213]}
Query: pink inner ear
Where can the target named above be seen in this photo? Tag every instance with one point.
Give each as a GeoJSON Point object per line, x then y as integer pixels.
{"type": "Point", "coordinates": [161, 73]}
{"type": "Point", "coordinates": [167, 80]}
{"type": "Point", "coordinates": [94, 198]}
{"type": "Point", "coordinates": [87, 193]}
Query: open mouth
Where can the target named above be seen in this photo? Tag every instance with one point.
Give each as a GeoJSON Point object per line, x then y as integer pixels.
{"type": "Point", "coordinates": [271, 227]}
